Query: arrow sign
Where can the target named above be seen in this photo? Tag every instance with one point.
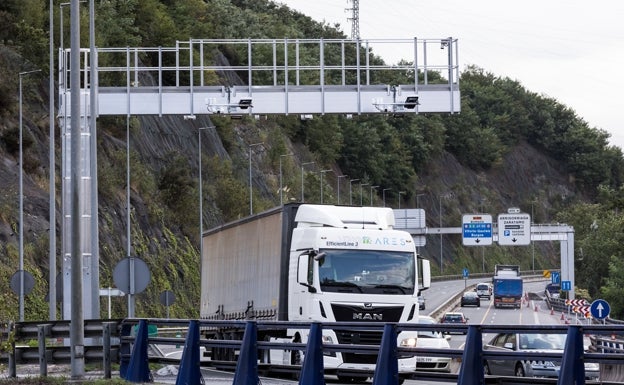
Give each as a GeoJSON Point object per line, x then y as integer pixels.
{"type": "Point", "coordinates": [600, 309]}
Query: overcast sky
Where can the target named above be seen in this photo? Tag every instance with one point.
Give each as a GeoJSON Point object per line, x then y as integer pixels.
{"type": "Point", "coordinates": [569, 50]}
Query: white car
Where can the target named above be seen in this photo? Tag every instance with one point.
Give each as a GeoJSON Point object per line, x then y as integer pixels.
{"type": "Point", "coordinates": [432, 339]}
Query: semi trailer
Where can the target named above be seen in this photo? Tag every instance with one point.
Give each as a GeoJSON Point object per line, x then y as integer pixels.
{"type": "Point", "coordinates": [320, 263]}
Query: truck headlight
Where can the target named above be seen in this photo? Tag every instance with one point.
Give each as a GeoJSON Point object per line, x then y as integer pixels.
{"type": "Point", "coordinates": [408, 342]}
{"type": "Point", "coordinates": [327, 340]}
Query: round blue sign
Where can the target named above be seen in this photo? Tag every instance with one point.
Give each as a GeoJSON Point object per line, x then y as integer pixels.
{"type": "Point", "coordinates": [600, 309]}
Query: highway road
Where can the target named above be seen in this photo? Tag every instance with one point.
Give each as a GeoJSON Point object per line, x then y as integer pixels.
{"type": "Point", "coordinates": [533, 312]}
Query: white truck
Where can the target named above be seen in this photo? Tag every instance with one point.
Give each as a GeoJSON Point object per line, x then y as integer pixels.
{"type": "Point", "coordinates": [304, 262]}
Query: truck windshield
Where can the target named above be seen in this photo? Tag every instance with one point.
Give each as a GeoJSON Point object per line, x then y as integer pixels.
{"type": "Point", "coordinates": [362, 271]}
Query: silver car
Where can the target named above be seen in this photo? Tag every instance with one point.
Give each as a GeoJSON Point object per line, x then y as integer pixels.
{"type": "Point", "coordinates": [530, 342]}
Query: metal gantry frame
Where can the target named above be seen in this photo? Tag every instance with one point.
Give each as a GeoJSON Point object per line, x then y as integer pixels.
{"type": "Point", "coordinates": [264, 76]}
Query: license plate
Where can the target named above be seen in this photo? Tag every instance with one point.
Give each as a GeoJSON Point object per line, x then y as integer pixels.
{"type": "Point", "coordinates": [424, 359]}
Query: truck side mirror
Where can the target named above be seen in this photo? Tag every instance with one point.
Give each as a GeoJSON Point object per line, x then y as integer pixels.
{"type": "Point", "coordinates": [303, 271]}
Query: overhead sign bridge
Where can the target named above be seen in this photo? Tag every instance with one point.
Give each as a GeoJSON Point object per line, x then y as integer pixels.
{"type": "Point", "coordinates": [254, 77]}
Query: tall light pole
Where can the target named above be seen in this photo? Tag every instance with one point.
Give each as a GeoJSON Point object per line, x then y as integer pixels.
{"type": "Point", "coordinates": [21, 199]}
{"type": "Point", "coordinates": [441, 244]}
{"type": "Point", "coordinates": [322, 172]}
{"type": "Point", "coordinates": [400, 193]}
{"type": "Point", "coordinates": [532, 243]}
{"type": "Point", "coordinates": [338, 184]}
{"type": "Point", "coordinates": [383, 192]}
{"type": "Point", "coordinates": [302, 176]}
{"type": "Point", "coordinates": [201, 195]}
{"type": "Point", "coordinates": [371, 193]}
{"type": "Point", "coordinates": [351, 191]}
{"type": "Point", "coordinates": [52, 184]}
{"type": "Point", "coordinates": [250, 181]}
{"type": "Point", "coordinates": [418, 200]}
{"type": "Point", "coordinates": [361, 194]}
{"type": "Point", "coordinates": [280, 177]}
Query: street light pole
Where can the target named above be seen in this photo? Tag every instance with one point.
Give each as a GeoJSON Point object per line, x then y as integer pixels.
{"type": "Point", "coordinates": [361, 194]}
{"type": "Point", "coordinates": [338, 185]}
{"type": "Point", "coordinates": [351, 191]}
{"type": "Point", "coordinates": [21, 200]}
{"type": "Point", "coordinates": [400, 193]}
{"type": "Point", "coordinates": [322, 172]}
{"type": "Point", "coordinates": [384, 195]}
{"type": "Point", "coordinates": [250, 181]}
{"type": "Point", "coordinates": [302, 175]}
{"type": "Point", "coordinates": [371, 193]}
{"type": "Point", "coordinates": [441, 244]}
{"type": "Point", "coordinates": [280, 178]}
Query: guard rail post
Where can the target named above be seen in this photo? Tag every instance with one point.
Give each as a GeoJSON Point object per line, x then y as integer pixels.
{"type": "Point", "coordinates": [12, 359]}
{"type": "Point", "coordinates": [387, 367]}
{"type": "Point", "coordinates": [471, 370]}
{"type": "Point", "coordinates": [572, 367]}
{"type": "Point", "coordinates": [42, 332]}
{"type": "Point", "coordinates": [106, 345]}
{"type": "Point", "coordinates": [313, 369]}
{"type": "Point", "coordinates": [189, 371]}
{"type": "Point", "coordinates": [247, 366]}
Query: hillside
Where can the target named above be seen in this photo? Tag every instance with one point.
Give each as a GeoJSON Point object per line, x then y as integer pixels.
{"type": "Point", "coordinates": [508, 148]}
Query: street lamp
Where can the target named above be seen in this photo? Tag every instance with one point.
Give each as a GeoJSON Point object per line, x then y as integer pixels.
{"type": "Point", "coordinates": [350, 191]}
{"type": "Point", "coordinates": [371, 193]}
{"type": "Point", "coordinates": [302, 186]}
{"type": "Point", "coordinates": [201, 195]}
{"type": "Point", "coordinates": [441, 244]}
{"type": "Point", "coordinates": [383, 192]}
{"type": "Point", "coordinates": [362, 185]}
{"type": "Point", "coordinates": [322, 172]}
{"type": "Point", "coordinates": [21, 199]}
{"type": "Point", "coordinates": [280, 177]}
{"type": "Point", "coordinates": [338, 185]}
{"type": "Point", "coordinates": [250, 182]}
{"type": "Point", "coordinates": [400, 193]}
{"type": "Point", "coordinates": [418, 200]}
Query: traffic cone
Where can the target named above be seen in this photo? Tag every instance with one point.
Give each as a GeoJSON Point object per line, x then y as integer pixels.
{"type": "Point", "coordinates": [562, 316]}
{"type": "Point", "coordinates": [535, 308]}
{"type": "Point", "coordinates": [552, 311]}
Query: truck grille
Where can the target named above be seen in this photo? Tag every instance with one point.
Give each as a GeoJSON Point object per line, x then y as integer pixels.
{"type": "Point", "coordinates": [353, 313]}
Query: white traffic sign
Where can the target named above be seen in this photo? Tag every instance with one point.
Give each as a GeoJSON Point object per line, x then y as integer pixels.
{"type": "Point", "coordinates": [514, 229]}
{"type": "Point", "coordinates": [477, 229]}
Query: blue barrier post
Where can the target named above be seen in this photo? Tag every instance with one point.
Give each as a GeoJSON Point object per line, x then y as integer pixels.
{"type": "Point", "coordinates": [313, 371]}
{"type": "Point", "coordinates": [471, 370]}
{"type": "Point", "coordinates": [247, 365]}
{"type": "Point", "coordinates": [138, 369]}
{"type": "Point", "coordinates": [387, 367]}
{"type": "Point", "coordinates": [124, 350]}
{"type": "Point", "coordinates": [189, 371]}
{"type": "Point", "coordinates": [572, 367]}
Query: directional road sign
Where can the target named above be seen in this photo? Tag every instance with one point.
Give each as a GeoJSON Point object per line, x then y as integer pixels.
{"type": "Point", "coordinates": [555, 277]}
{"type": "Point", "coordinates": [465, 273]}
{"type": "Point", "coordinates": [477, 229]}
{"type": "Point", "coordinates": [566, 285]}
{"type": "Point", "coordinates": [600, 309]}
{"type": "Point", "coordinates": [514, 229]}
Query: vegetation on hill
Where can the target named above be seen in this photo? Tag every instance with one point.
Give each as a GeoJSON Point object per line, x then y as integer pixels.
{"type": "Point", "coordinates": [507, 147]}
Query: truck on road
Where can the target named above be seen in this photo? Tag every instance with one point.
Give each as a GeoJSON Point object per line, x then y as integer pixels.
{"type": "Point", "coordinates": [323, 263]}
{"type": "Point", "coordinates": [507, 286]}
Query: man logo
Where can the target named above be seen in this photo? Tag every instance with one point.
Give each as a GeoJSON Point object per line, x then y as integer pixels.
{"type": "Point", "coordinates": [367, 316]}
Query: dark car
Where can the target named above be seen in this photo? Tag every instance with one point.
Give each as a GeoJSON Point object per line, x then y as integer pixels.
{"type": "Point", "coordinates": [470, 298]}
{"type": "Point", "coordinates": [454, 318]}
